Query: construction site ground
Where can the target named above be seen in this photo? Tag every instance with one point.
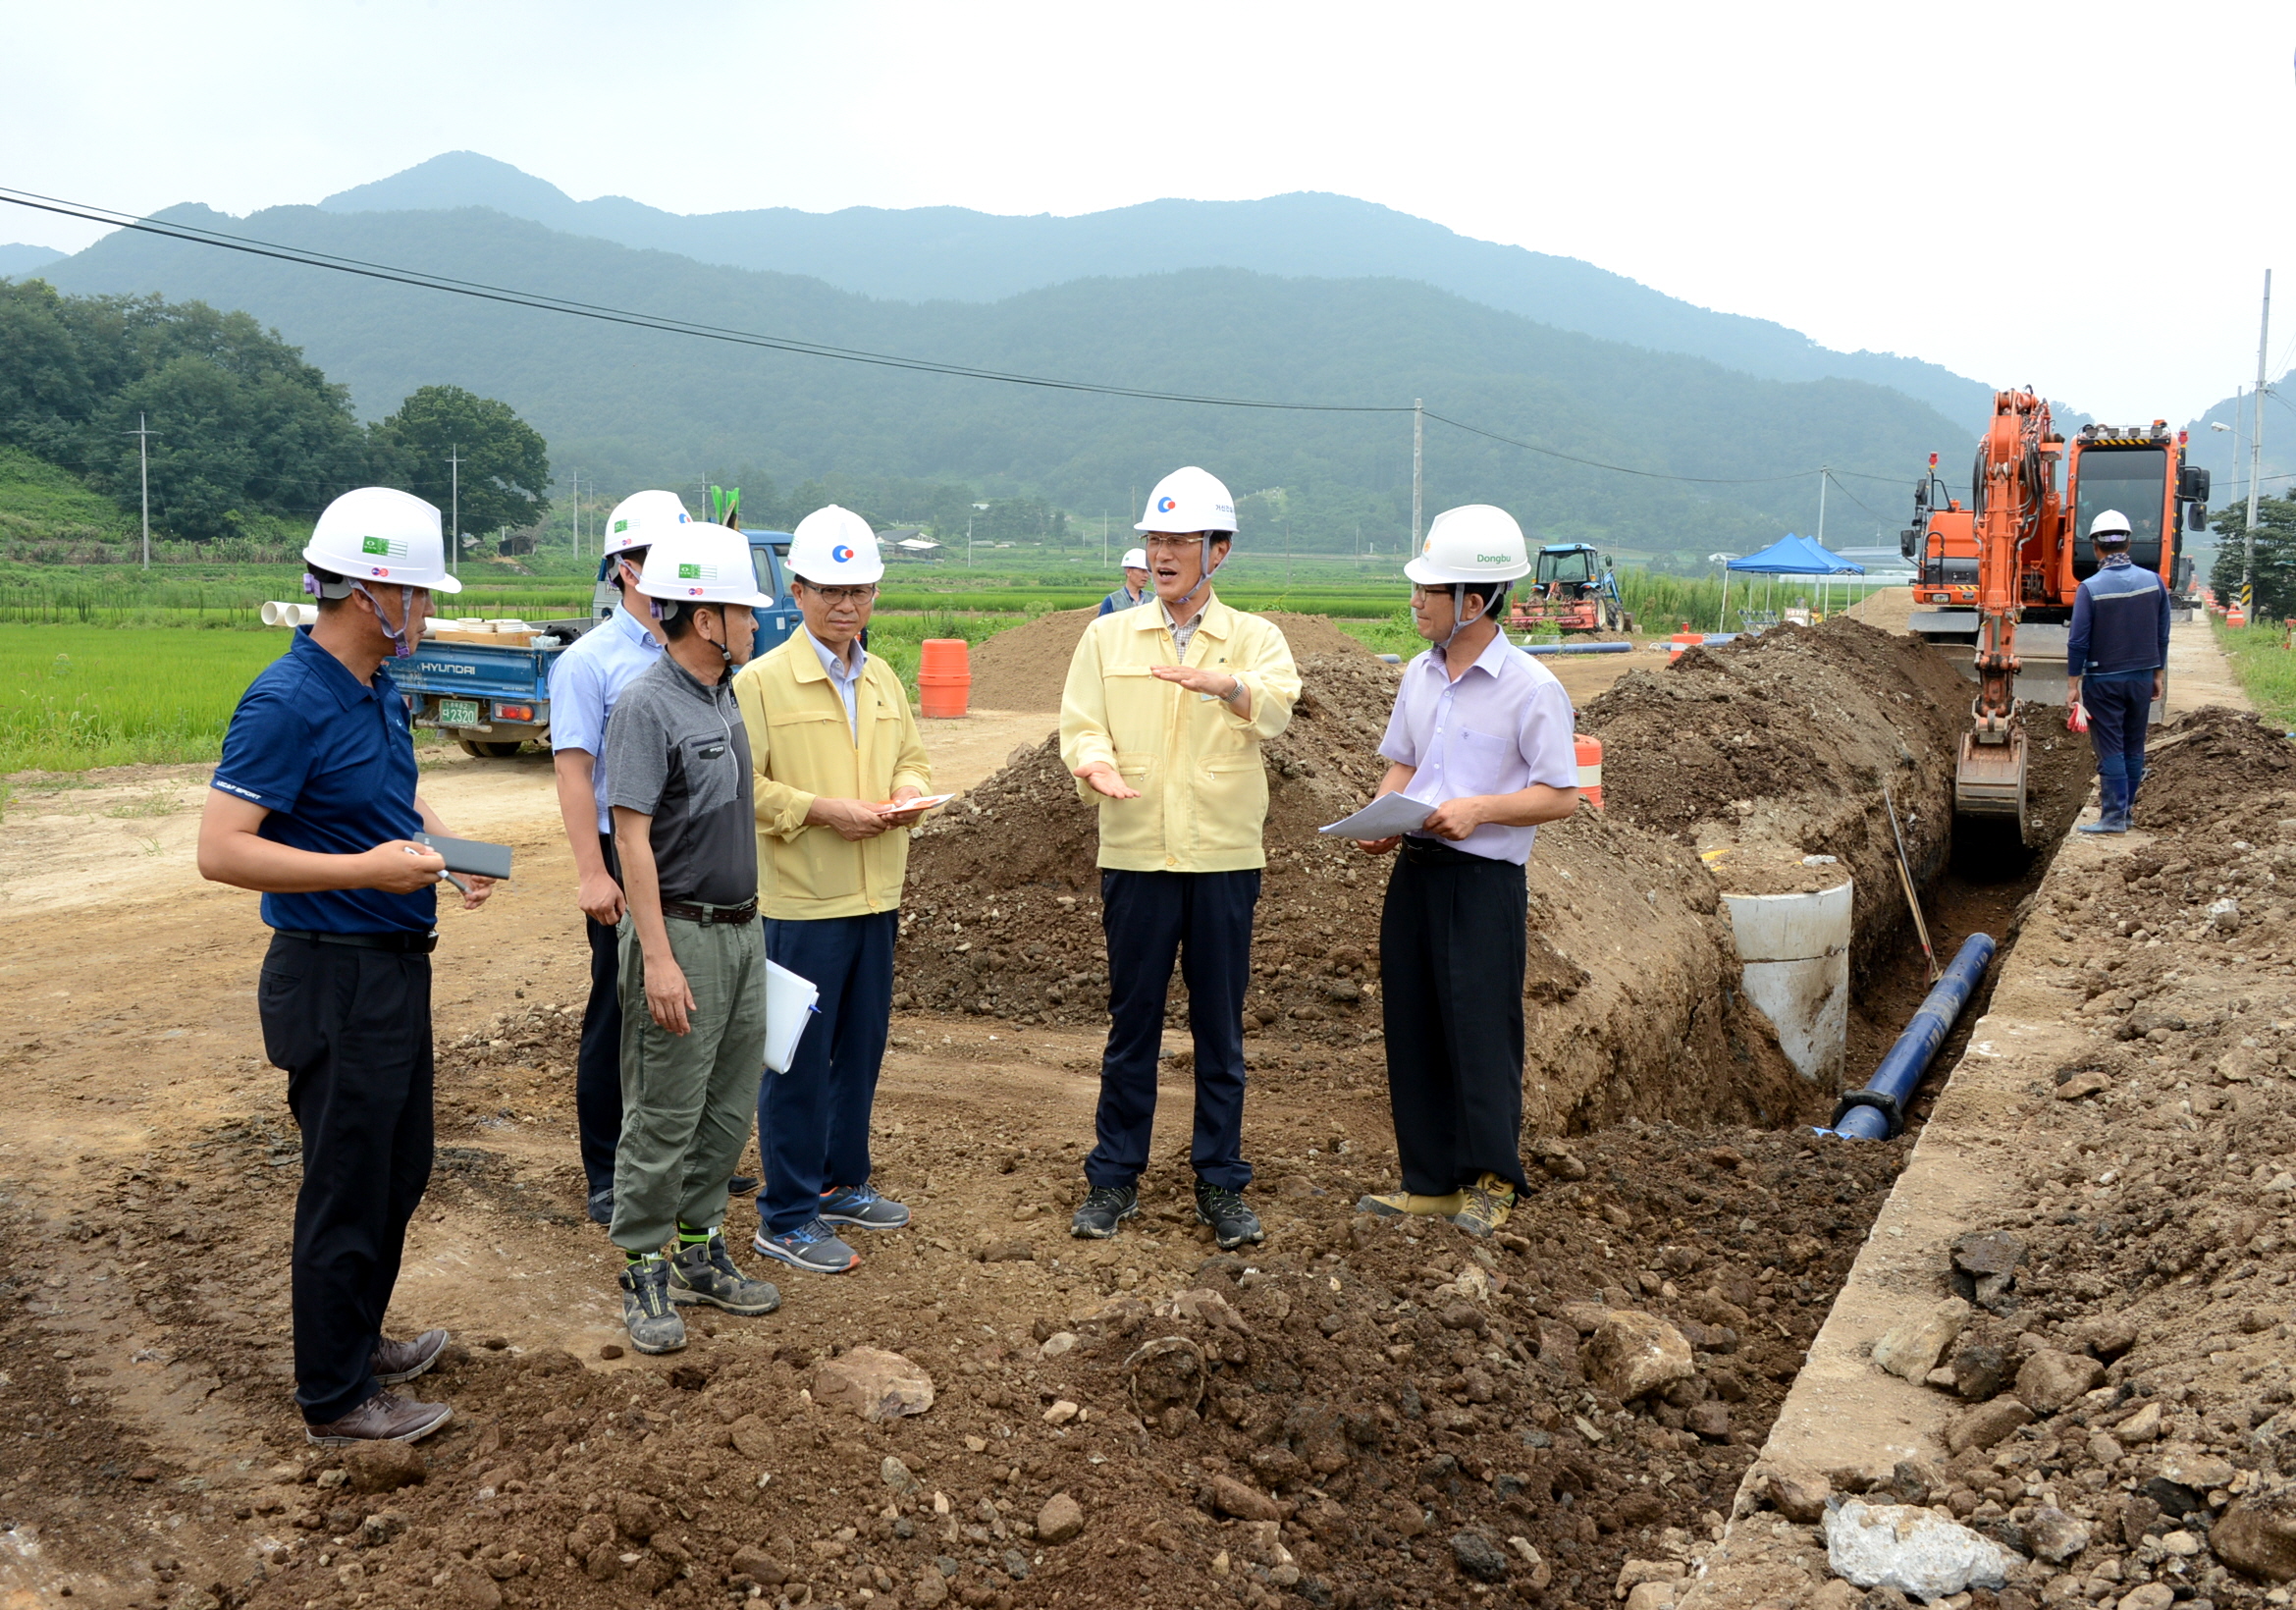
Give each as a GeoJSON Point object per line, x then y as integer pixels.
{"type": "Point", "coordinates": [1350, 1414]}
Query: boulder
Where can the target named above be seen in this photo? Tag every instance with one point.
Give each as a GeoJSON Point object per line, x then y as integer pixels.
{"type": "Point", "coordinates": [1985, 1425]}
{"type": "Point", "coordinates": [1916, 1551]}
{"type": "Point", "coordinates": [2256, 1537]}
{"type": "Point", "coordinates": [1632, 1354]}
{"type": "Point", "coordinates": [1795, 1491]}
{"type": "Point", "coordinates": [2054, 1536]}
{"type": "Point", "coordinates": [1060, 1520]}
{"type": "Point", "coordinates": [2052, 1379]}
{"type": "Point", "coordinates": [383, 1467]}
{"type": "Point", "coordinates": [2140, 1428]}
{"type": "Point", "coordinates": [752, 1437]}
{"type": "Point", "coordinates": [1912, 1347]}
{"type": "Point", "coordinates": [1478, 1557]}
{"type": "Point", "coordinates": [1230, 1496]}
{"type": "Point", "coordinates": [874, 1385]}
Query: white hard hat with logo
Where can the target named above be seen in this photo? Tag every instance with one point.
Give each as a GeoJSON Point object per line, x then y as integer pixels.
{"type": "Point", "coordinates": [1135, 559]}
{"type": "Point", "coordinates": [1477, 542]}
{"type": "Point", "coordinates": [702, 563]}
{"type": "Point", "coordinates": [640, 520]}
{"type": "Point", "coordinates": [834, 547]}
{"type": "Point", "coordinates": [1187, 501]}
{"type": "Point", "coordinates": [379, 533]}
{"type": "Point", "coordinates": [2110, 523]}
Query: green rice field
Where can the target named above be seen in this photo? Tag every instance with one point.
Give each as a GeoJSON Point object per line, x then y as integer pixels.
{"type": "Point", "coordinates": [72, 697]}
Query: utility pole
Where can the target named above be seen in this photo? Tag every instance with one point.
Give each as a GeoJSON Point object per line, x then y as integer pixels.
{"type": "Point", "coordinates": [144, 474]}
{"type": "Point", "coordinates": [575, 514]}
{"type": "Point", "coordinates": [968, 542]}
{"type": "Point", "coordinates": [2256, 452]}
{"type": "Point", "coordinates": [1103, 539]}
{"type": "Point", "coordinates": [455, 537]}
{"type": "Point", "coordinates": [1824, 475]}
{"type": "Point", "coordinates": [1419, 442]}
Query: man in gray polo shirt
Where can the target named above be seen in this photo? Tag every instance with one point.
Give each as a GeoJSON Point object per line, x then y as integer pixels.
{"type": "Point", "coordinates": [692, 956]}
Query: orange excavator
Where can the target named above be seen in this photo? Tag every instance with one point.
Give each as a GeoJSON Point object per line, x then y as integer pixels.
{"type": "Point", "coordinates": [2006, 567]}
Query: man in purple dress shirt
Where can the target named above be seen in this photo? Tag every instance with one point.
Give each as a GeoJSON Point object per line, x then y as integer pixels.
{"type": "Point", "coordinates": [1482, 732]}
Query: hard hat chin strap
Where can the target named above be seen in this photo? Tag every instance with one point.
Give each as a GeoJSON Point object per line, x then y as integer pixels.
{"type": "Point", "coordinates": [1204, 579]}
{"type": "Point", "coordinates": [401, 648]}
{"type": "Point", "coordinates": [1458, 620]}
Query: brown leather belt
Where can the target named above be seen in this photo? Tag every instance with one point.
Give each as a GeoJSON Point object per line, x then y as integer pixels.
{"type": "Point", "coordinates": [679, 909]}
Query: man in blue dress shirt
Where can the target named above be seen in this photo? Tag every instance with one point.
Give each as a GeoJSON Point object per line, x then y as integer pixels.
{"type": "Point", "coordinates": [313, 804]}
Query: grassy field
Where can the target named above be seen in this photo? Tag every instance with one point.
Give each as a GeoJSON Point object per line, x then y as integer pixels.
{"type": "Point", "coordinates": [2267, 671]}
{"type": "Point", "coordinates": [72, 697]}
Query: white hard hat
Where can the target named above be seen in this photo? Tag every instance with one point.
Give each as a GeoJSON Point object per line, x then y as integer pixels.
{"type": "Point", "coordinates": [1473, 543]}
{"type": "Point", "coordinates": [834, 547]}
{"type": "Point", "coordinates": [702, 563]}
{"type": "Point", "coordinates": [379, 533]}
{"type": "Point", "coordinates": [1189, 500]}
{"type": "Point", "coordinates": [1135, 559]}
{"type": "Point", "coordinates": [2110, 523]}
{"type": "Point", "coordinates": [640, 520]}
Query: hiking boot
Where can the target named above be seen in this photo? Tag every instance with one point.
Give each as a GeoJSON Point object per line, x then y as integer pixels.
{"type": "Point", "coordinates": [1398, 1204]}
{"type": "Point", "coordinates": [707, 1273]}
{"type": "Point", "coordinates": [395, 1362]}
{"type": "Point", "coordinates": [1232, 1223]}
{"type": "Point", "coordinates": [384, 1418]}
{"type": "Point", "coordinates": [646, 1314]}
{"type": "Point", "coordinates": [862, 1206]}
{"type": "Point", "coordinates": [1104, 1208]}
{"type": "Point", "coordinates": [741, 1184]}
{"type": "Point", "coordinates": [1489, 1201]}
{"type": "Point", "coordinates": [812, 1246]}
{"type": "Point", "coordinates": [599, 1207]}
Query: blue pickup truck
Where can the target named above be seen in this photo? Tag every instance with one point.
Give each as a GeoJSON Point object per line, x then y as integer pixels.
{"type": "Point", "coordinates": [496, 700]}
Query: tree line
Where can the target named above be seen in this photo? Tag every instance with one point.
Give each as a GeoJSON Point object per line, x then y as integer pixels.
{"type": "Point", "coordinates": [243, 431]}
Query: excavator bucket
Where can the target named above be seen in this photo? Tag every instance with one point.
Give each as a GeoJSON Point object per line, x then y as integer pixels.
{"type": "Point", "coordinates": [1990, 780]}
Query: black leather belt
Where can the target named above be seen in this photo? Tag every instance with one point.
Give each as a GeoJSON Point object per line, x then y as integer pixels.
{"type": "Point", "coordinates": [1435, 851]}
{"type": "Point", "coordinates": [405, 943]}
{"type": "Point", "coordinates": [747, 913]}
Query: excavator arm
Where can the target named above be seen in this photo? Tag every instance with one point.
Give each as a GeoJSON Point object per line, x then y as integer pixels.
{"type": "Point", "coordinates": [2015, 496]}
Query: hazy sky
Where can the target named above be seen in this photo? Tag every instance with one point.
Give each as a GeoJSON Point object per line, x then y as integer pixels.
{"type": "Point", "coordinates": [2051, 196]}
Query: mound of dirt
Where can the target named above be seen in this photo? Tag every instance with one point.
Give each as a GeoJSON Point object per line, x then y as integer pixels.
{"type": "Point", "coordinates": [2219, 756]}
{"type": "Point", "coordinates": [1025, 668]}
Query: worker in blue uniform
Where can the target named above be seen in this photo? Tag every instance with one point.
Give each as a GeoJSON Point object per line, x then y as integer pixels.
{"type": "Point", "coordinates": [2117, 660]}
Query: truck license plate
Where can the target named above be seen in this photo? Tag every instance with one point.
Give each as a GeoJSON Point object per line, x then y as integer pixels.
{"type": "Point", "coordinates": [458, 712]}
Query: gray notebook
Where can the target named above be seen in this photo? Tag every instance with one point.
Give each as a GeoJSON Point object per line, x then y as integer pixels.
{"type": "Point", "coordinates": [473, 856]}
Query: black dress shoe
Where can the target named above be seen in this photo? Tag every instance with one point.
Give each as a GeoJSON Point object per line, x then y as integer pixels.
{"type": "Point", "coordinates": [601, 1207]}
{"type": "Point", "coordinates": [740, 1185]}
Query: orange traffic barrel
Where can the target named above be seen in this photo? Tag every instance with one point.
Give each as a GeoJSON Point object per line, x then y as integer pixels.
{"type": "Point", "coordinates": [2235, 617]}
{"type": "Point", "coordinates": [1589, 768]}
{"type": "Point", "coordinates": [945, 675]}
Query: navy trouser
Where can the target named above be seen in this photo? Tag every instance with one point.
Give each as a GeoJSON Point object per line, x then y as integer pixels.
{"type": "Point", "coordinates": [1204, 919]}
{"type": "Point", "coordinates": [2117, 708]}
{"type": "Point", "coordinates": [813, 1121]}
{"type": "Point", "coordinates": [352, 1029]}
{"type": "Point", "coordinates": [1453, 943]}
{"type": "Point", "coordinates": [598, 1064]}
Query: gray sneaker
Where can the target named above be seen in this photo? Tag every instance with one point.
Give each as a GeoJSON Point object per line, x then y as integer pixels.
{"type": "Point", "coordinates": [653, 1324]}
{"type": "Point", "coordinates": [860, 1206]}
{"type": "Point", "coordinates": [707, 1273]}
{"type": "Point", "coordinates": [813, 1246]}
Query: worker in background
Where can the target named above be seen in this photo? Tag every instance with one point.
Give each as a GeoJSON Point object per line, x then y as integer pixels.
{"type": "Point", "coordinates": [2117, 659]}
{"type": "Point", "coordinates": [1482, 732]}
{"type": "Point", "coordinates": [1161, 722]}
{"type": "Point", "coordinates": [1135, 590]}
{"type": "Point", "coordinates": [315, 805]}
{"type": "Point", "coordinates": [584, 684]}
{"type": "Point", "coordinates": [837, 758]}
{"type": "Point", "coordinates": [692, 964]}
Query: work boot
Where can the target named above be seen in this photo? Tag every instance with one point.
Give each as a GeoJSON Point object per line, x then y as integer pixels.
{"type": "Point", "coordinates": [599, 1205]}
{"type": "Point", "coordinates": [646, 1314]}
{"type": "Point", "coordinates": [1232, 1223]}
{"type": "Point", "coordinates": [1400, 1204]}
{"type": "Point", "coordinates": [384, 1418]}
{"type": "Point", "coordinates": [395, 1362]}
{"type": "Point", "coordinates": [1489, 1201]}
{"type": "Point", "coordinates": [707, 1273]}
{"type": "Point", "coordinates": [2112, 809]}
{"type": "Point", "coordinates": [1104, 1208]}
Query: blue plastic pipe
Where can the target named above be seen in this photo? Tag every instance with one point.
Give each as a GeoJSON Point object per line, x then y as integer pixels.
{"type": "Point", "coordinates": [1577, 648]}
{"type": "Point", "coordinates": [1878, 1112]}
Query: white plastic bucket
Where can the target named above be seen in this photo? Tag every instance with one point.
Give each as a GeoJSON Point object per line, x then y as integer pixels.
{"type": "Point", "coordinates": [1795, 952]}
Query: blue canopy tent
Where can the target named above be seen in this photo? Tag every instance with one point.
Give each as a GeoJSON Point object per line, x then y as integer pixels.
{"type": "Point", "coordinates": [1789, 556]}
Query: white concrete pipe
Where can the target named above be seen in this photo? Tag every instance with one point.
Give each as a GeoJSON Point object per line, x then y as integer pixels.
{"type": "Point", "coordinates": [280, 612]}
{"type": "Point", "coordinates": [1795, 951]}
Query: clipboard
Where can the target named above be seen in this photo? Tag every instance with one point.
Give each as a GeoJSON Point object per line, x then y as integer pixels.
{"type": "Point", "coordinates": [472, 856]}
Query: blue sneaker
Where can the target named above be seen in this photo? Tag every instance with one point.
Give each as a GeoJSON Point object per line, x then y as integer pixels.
{"type": "Point", "coordinates": [813, 1247]}
{"type": "Point", "coordinates": [861, 1204]}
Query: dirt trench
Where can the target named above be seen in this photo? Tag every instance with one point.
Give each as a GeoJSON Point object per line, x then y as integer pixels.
{"type": "Point", "coordinates": [1353, 1415]}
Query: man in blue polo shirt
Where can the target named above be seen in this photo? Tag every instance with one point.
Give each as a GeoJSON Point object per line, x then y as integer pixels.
{"type": "Point", "coordinates": [313, 804]}
{"type": "Point", "coordinates": [2116, 656]}
{"type": "Point", "coordinates": [583, 686]}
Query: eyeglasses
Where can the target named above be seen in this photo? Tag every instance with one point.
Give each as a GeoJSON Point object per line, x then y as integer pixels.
{"type": "Point", "coordinates": [1178, 544]}
{"type": "Point", "coordinates": [841, 595]}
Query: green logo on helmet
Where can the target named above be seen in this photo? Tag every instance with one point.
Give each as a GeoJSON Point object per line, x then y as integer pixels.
{"type": "Point", "coordinates": [697, 572]}
{"type": "Point", "coordinates": [619, 526]}
{"type": "Point", "coordinates": [389, 547]}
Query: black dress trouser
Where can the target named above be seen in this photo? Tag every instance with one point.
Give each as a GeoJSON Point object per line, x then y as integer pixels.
{"type": "Point", "coordinates": [1452, 940]}
{"type": "Point", "coordinates": [598, 1063]}
{"type": "Point", "coordinates": [352, 1029]}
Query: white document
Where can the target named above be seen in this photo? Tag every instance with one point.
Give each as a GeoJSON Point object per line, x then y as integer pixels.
{"type": "Point", "coordinates": [789, 1007]}
{"type": "Point", "coordinates": [1383, 818]}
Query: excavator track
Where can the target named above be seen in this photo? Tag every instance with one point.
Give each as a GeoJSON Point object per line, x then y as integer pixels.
{"type": "Point", "coordinates": [1990, 780]}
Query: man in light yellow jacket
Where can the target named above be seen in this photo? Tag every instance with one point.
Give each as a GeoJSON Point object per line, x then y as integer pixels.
{"type": "Point", "coordinates": [1161, 722]}
{"type": "Point", "coordinates": [837, 757]}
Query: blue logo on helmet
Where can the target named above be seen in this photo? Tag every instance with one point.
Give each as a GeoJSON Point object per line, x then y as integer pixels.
{"type": "Point", "coordinates": [1165, 505]}
{"type": "Point", "coordinates": [841, 554]}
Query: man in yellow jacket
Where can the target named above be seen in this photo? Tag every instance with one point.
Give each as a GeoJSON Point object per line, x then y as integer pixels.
{"type": "Point", "coordinates": [1161, 722]}
{"type": "Point", "coordinates": [837, 757]}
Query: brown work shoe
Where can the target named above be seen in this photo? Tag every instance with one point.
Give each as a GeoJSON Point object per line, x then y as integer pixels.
{"type": "Point", "coordinates": [397, 1362]}
{"type": "Point", "coordinates": [384, 1418]}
